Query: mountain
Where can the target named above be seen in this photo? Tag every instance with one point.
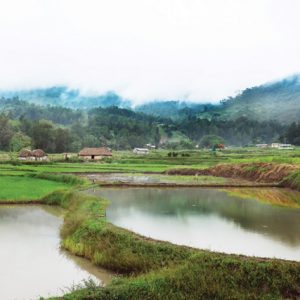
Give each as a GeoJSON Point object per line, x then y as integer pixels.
{"type": "Point", "coordinates": [73, 98]}
{"type": "Point", "coordinates": [279, 101]}
{"type": "Point", "coordinates": [63, 96]}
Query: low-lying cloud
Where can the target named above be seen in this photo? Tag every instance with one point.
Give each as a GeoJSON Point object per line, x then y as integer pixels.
{"type": "Point", "coordinates": [195, 50]}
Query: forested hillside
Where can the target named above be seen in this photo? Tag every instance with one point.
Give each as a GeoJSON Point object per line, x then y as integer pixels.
{"type": "Point", "coordinates": [60, 129]}
{"type": "Point", "coordinates": [173, 109]}
{"type": "Point", "coordinates": [60, 119]}
{"type": "Point", "coordinates": [279, 101]}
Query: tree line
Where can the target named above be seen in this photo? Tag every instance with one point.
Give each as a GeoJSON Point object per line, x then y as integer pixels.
{"type": "Point", "coordinates": [59, 129]}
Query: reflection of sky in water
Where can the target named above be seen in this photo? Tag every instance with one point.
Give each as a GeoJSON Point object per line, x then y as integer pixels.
{"type": "Point", "coordinates": [31, 262]}
{"type": "Point", "coordinates": [208, 219]}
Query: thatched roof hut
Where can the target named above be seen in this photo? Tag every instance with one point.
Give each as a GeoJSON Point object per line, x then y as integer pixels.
{"type": "Point", "coordinates": [38, 153]}
{"type": "Point", "coordinates": [95, 153]}
{"type": "Point", "coordinates": [25, 153]}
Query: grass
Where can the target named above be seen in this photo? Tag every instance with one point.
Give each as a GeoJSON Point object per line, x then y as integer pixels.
{"type": "Point", "coordinates": [292, 180]}
{"type": "Point", "coordinates": [19, 188]}
{"type": "Point", "coordinates": [157, 161]}
{"type": "Point", "coordinates": [34, 186]}
{"type": "Point", "coordinates": [160, 270]}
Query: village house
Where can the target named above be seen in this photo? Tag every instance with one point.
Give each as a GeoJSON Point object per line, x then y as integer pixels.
{"type": "Point", "coordinates": [275, 145]}
{"type": "Point", "coordinates": [286, 147]}
{"type": "Point", "coordinates": [34, 155]}
{"type": "Point", "coordinates": [150, 146]}
{"type": "Point", "coordinates": [261, 145]}
{"type": "Point", "coordinates": [95, 153]}
{"type": "Point", "coordinates": [141, 151]}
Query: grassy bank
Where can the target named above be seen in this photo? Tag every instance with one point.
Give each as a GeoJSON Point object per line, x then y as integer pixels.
{"type": "Point", "coordinates": [160, 270]}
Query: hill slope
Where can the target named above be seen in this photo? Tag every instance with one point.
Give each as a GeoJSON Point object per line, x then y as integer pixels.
{"type": "Point", "coordinates": [278, 101]}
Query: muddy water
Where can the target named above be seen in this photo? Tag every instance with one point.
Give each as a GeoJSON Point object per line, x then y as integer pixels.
{"type": "Point", "coordinates": [209, 219]}
{"type": "Point", "coordinates": [32, 264]}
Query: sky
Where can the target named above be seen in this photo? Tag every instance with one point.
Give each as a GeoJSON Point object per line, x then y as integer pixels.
{"type": "Point", "coordinates": [198, 50]}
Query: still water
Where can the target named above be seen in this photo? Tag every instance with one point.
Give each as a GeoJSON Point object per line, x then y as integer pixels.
{"type": "Point", "coordinates": [209, 219]}
{"type": "Point", "coordinates": [32, 264]}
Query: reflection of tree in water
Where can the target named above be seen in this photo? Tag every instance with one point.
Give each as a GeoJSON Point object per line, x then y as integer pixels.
{"type": "Point", "coordinates": [276, 222]}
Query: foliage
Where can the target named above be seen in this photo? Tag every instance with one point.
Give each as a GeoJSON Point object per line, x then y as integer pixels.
{"type": "Point", "coordinates": [292, 134]}
{"type": "Point", "coordinates": [20, 141]}
{"type": "Point", "coordinates": [292, 180]}
{"type": "Point", "coordinates": [59, 129]}
{"type": "Point", "coordinates": [6, 132]}
{"type": "Point", "coordinates": [274, 101]}
{"type": "Point", "coordinates": [210, 140]}
{"type": "Point", "coordinates": [65, 178]}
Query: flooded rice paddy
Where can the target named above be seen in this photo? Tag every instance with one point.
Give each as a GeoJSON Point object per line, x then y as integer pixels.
{"type": "Point", "coordinates": [241, 221]}
{"type": "Point", "coordinates": [32, 263]}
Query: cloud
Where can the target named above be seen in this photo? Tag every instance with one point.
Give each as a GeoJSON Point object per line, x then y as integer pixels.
{"type": "Point", "coordinates": [149, 49]}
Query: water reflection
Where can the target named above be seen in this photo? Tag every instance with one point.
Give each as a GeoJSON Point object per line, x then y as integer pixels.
{"type": "Point", "coordinates": [32, 264]}
{"type": "Point", "coordinates": [207, 218]}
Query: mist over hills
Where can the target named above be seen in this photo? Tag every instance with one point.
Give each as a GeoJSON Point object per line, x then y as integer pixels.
{"type": "Point", "coordinates": [66, 97]}
{"type": "Point", "coordinates": [49, 117]}
{"type": "Point", "coordinates": [278, 101]}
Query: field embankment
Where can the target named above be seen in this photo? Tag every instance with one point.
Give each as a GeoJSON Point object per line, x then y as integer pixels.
{"type": "Point", "coordinates": [160, 270]}
{"type": "Point", "coordinates": [286, 175]}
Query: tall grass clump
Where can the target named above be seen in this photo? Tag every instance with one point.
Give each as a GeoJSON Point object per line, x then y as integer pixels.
{"type": "Point", "coordinates": [292, 180]}
{"type": "Point", "coordinates": [64, 178]}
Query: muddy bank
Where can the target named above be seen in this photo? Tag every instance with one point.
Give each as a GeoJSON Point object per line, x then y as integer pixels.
{"type": "Point", "coordinates": [170, 185]}
{"type": "Point", "coordinates": [147, 180]}
{"type": "Point", "coordinates": [255, 172]}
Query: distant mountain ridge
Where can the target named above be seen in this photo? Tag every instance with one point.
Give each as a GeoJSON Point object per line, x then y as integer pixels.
{"type": "Point", "coordinates": [279, 101]}
{"type": "Point", "coordinates": [70, 98]}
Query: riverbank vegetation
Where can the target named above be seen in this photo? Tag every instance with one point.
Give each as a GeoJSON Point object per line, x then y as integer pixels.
{"type": "Point", "coordinates": [160, 270]}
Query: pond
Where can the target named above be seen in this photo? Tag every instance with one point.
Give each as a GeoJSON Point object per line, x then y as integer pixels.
{"type": "Point", "coordinates": [31, 261]}
{"type": "Point", "coordinates": [230, 221]}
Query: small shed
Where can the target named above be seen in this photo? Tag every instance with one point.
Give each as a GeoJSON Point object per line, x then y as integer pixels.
{"type": "Point", "coordinates": [95, 153]}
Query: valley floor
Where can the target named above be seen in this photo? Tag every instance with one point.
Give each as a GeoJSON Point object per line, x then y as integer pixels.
{"type": "Point", "coordinates": [152, 269]}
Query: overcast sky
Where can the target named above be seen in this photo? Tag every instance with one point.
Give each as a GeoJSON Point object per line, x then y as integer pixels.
{"type": "Point", "coordinates": [149, 49]}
